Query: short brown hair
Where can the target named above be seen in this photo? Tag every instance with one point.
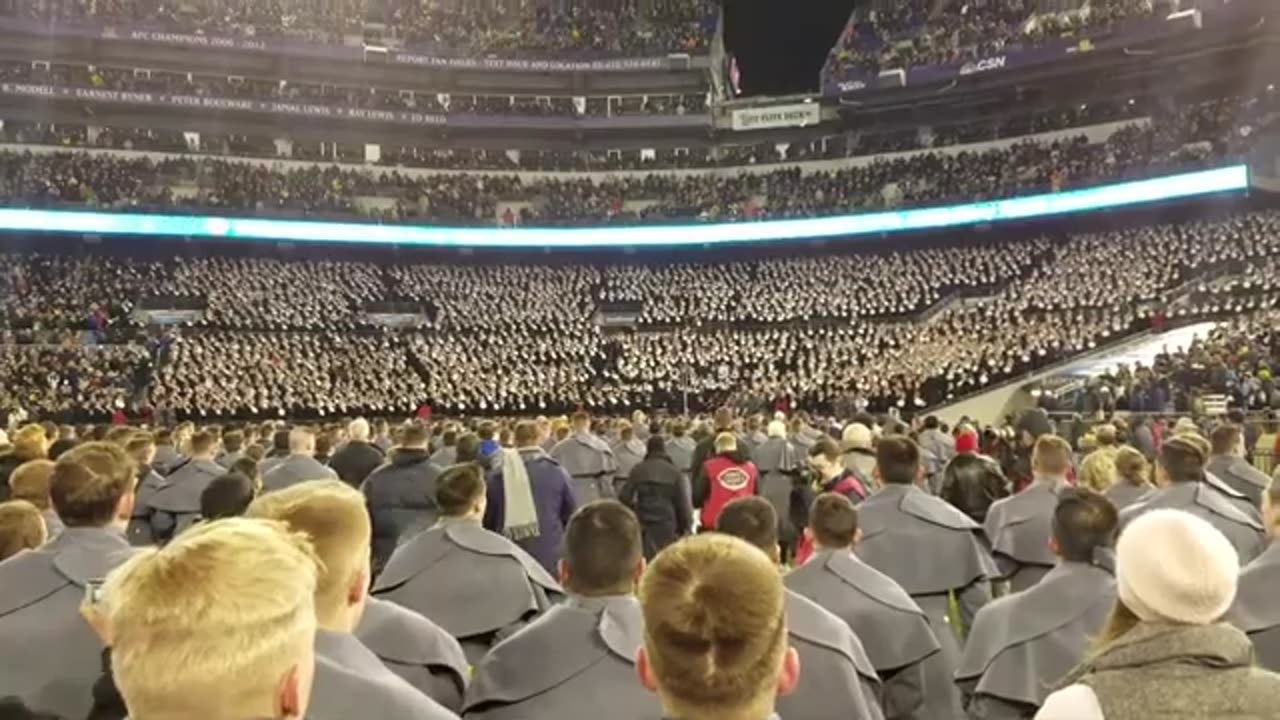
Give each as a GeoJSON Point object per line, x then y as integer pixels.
{"type": "Point", "coordinates": [602, 548]}
{"type": "Point", "coordinates": [458, 488]}
{"type": "Point", "coordinates": [1183, 458]}
{"type": "Point", "coordinates": [88, 482]}
{"type": "Point", "coordinates": [827, 448]}
{"type": "Point", "coordinates": [1052, 455]}
{"type": "Point", "coordinates": [1083, 521]}
{"type": "Point", "coordinates": [753, 519]}
{"type": "Point", "coordinates": [21, 528]}
{"type": "Point", "coordinates": [30, 482]}
{"type": "Point", "coordinates": [833, 520]}
{"type": "Point", "coordinates": [1225, 439]}
{"type": "Point", "coordinates": [714, 625]}
{"type": "Point", "coordinates": [203, 443]}
{"type": "Point", "coordinates": [898, 460]}
{"type": "Point", "coordinates": [527, 433]}
{"type": "Point", "coordinates": [414, 434]}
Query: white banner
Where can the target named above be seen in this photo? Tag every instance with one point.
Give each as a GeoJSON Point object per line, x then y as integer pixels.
{"type": "Point", "coordinates": [777, 116]}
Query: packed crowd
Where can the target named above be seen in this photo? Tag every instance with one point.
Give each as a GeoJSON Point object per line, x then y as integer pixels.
{"type": "Point", "coordinates": [868, 141]}
{"type": "Point", "coordinates": [596, 27]}
{"type": "Point", "coordinates": [913, 33]}
{"type": "Point", "coordinates": [874, 328]}
{"type": "Point", "coordinates": [850, 567]}
{"type": "Point", "coordinates": [1195, 136]}
{"type": "Point", "coordinates": [366, 97]}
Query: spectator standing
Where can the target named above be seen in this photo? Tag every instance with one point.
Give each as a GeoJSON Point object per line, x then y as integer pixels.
{"type": "Point", "coordinates": [300, 466]}
{"type": "Point", "coordinates": [780, 467]}
{"type": "Point", "coordinates": [175, 506]}
{"type": "Point", "coordinates": [724, 477]}
{"type": "Point", "coordinates": [29, 443]}
{"type": "Point", "coordinates": [447, 453]}
{"type": "Point", "coordinates": [1228, 464]}
{"type": "Point", "coordinates": [218, 624]}
{"type": "Point", "coordinates": [1180, 475]}
{"type": "Point", "coordinates": [227, 496]}
{"type": "Point", "coordinates": [972, 483]}
{"type": "Point", "coordinates": [350, 679]}
{"type": "Point", "coordinates": [50, 657]}
{"type": "Point", "coordinates": [142, 448]}
{"type": "Point", "coordinates": [530, 497]}
{"type": "Point", "coordinates": [1020, 527]}
{"type": "Point", "coordinates": [400, 495]}
{"type": "Point", "coordinates": [658, 493]}
{"type": "Point", "coordinates": [935, 552]}
{"type": "Point", "coordinates": [858, 446]}
{"type": "Point", "coordinates": [30, 482]}
{"type": "Point", "coordinates": [588, 460]}
{"type": "Point", "coordinates": [1176, 576]}
{"type": "Point", "coordinates": [1022, 642]}
{"type": "Point", "coordinates": [833, 475]}
{"type": "Point", "coordinates": [66, 440]}
{"type": "Point", "coordinates": [715, 640]}
{"type": "Point", "coordinates": [628, 452]}
{"type": "Point", "coordinates": [232, 448]}
{"type": "Point", "coordinates": [681, 448]}
{"type": "Point", "coordinates": [892, 628]}
{"type": "Point", "coordinates": [21, 528]}
{"type": "Point", "coordinates": [1098, 467]}
{"type": "Point", "coordinates": [167, 457]}
{"type": "Point", "coordinates": [838, 681]}
{"type": "Point", "coordinates": [1132, 481]}
{"type": "Point", "coordinates": [1256, 611]}
{"type": "Point", "coordinates": [477, 585]}
{"type": "Point", "coordinates": [706, 448]}
{"type": "Point", "coordinates": [585, 648]}
{"type": "Point", "coordinates": [358, 457]}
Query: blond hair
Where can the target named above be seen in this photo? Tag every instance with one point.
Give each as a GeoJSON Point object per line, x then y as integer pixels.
{"type": "Point", "coordinates": [714, 626]}
{"type": "Point", "coordinates": [30, 482]}
{"type": "Point", "coordinates": [333, 515]}
{"type": "Point", "coordinates": [726, 442]}
{"type": "Point", "coordinates": [21, 528]}
{"type": "Point", "coordinates": [210, 624]}
{"type": "Point", "coordinates": [1132, 467]}
{"type": "Point", "coordinates": [1051, 455]}
{"type": "Point", "coordinates": [30, 442]}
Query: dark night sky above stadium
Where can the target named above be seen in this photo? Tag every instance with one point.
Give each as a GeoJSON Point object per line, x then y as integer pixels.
{"type": "Point", "coordinates": [781, 44]}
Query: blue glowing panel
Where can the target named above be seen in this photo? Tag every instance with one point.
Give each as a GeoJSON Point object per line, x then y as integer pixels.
{"type": "Point", "coordinates": [1171, 187]}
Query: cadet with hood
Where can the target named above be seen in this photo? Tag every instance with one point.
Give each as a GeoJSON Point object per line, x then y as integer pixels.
{"type": "Point", "coordinates": [578, 659]}
{"type": "Point", "coordinates": [1021, 643]}
{"type": "Point", "coordinates": [477, 585]}
{"type": "Point", "coordinates": [892, 628]}
{"type": "Point", "coordinates": [588, 460]}
{"type": "Point", "coordinates": [934, 552]}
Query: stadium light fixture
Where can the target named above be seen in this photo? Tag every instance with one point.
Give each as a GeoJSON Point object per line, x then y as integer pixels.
{"type": "Point", "coordinates": [1118, 195]}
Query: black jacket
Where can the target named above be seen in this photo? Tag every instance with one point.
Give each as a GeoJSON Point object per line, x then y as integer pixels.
{"type": "Point", "coordinates": [659, 495]}
{"type": "Point", "coordinates": [355, 461]}
{"type": "Point", "coordinates": [401, 497]}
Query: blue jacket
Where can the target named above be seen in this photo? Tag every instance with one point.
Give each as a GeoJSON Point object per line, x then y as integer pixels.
{"type": "Point", "coordinates": [552, 497]}
{"type": "Point", "coordinates": [401, 497]}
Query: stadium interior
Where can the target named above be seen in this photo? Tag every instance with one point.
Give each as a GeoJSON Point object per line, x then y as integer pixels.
{"type": "Point", "coordinates": [643, 225]}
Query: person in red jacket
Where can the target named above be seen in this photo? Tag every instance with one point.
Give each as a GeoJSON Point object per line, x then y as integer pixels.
{"type": "Point", "coordinates": [726, 476]}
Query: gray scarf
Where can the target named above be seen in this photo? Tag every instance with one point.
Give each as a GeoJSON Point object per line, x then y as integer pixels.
{"type": "Point", "coordinates": [520, 514]}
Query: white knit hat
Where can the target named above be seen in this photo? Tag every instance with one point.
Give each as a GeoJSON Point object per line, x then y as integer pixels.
{"type": "Point", "coordinates": [856, 436]}
{"type": "Point", "coordinates": [1174, 566]}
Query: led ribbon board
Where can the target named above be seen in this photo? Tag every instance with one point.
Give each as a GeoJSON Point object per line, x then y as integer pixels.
{"type": "Point", "coordinates": [1118, 195]}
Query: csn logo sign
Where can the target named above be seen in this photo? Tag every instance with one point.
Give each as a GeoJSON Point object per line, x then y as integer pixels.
{"type": "Point", "coordinates": [851, 85]}
{"type": "Point", "coordinates": [984, 65]}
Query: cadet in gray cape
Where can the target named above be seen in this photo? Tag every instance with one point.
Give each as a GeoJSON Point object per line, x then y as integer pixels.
{"type": "Point", "coordinates": [628, 452]}
{"type": "Point", "coordinates": [350, 681]}
{"type": "Point", "coordinates": [476, 584]}
{"type": "Point", "coordinates": [578, 659]}
{"type": "Point", "coordinates": [1228, 464]}
{"type": "Point", "coordinates": [891, 626]}
{"type": "Point", "coordinates": [142, 448]}
{"type": "Point", "coordinates": [1019, 527]}
{"type": "Point", "coordinates": [837, 679]}
{"type": "Point", "coordinates": [588, 460]}
{"type": "Point", "coordinates": [300, 466]}
{"type": "Point", "coordinates": [934, 552]}
{"type": "Point", "coordinates": [1256, 610]}
{"type": "Point", "coordinates": [778, 464]}
{"type": "Point", "coordinates": [175, 506]}
{"type": "Point", "coordinates": [1180, 476]}
{"type": "Point", "coordinates": [1022, 643]}
{"type": "Point", "coordinates": [681, 447]}
{"type": "Point", "coordinates": [417, 650]}
{"type": "Point", "coordinates": [49, 657]}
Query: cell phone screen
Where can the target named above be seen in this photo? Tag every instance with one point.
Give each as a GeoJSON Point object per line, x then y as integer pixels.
{"type": "Point", "coordinates": [93, 592]}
